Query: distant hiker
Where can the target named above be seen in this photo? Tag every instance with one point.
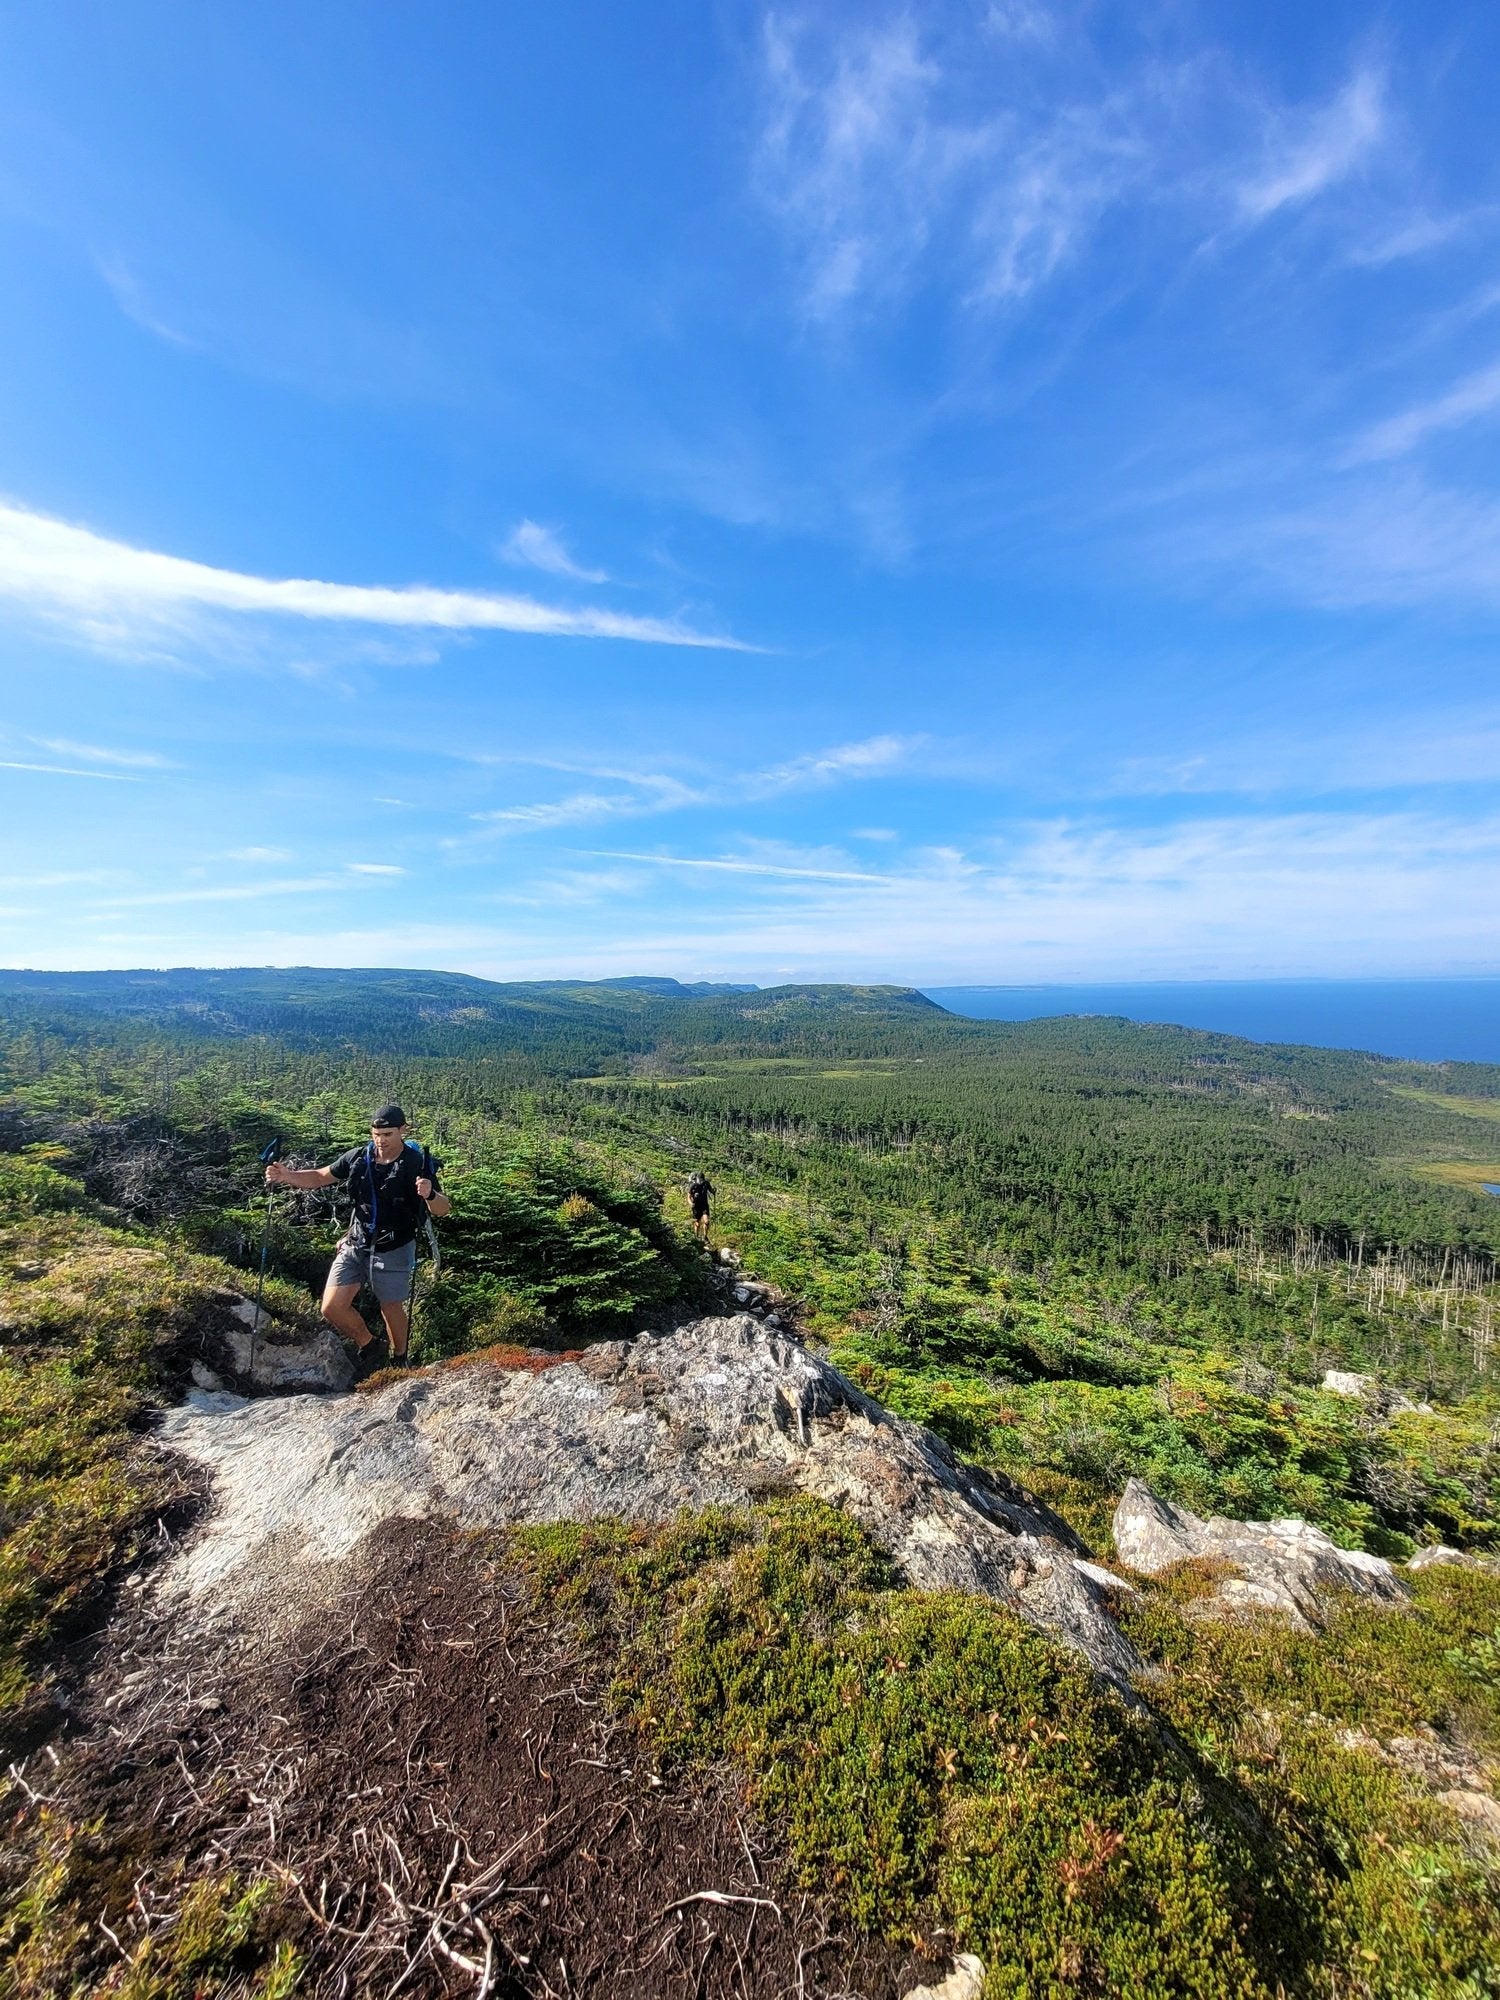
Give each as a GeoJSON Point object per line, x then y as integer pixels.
{"type": "Point", "coordinates": [390, 1192]}
{"type": "Point", "coordinates": [700, 1192]}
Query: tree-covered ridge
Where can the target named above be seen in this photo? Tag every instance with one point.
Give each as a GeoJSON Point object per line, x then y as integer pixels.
{"type": "Point", "coordinates": [558, 1026]}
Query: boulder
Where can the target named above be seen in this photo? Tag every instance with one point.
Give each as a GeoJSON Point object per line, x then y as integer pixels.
{"type": "Point", "coordinates": [719, 1412]}
{"type": "Point", "coordinates": [1442, 1557]}
{"type": "Point", "coordinates": [964, 1982]}
{"type": "Point", "coordinates": [1389, 1402]}
{"type": "Point", "coordinates": [1286, 1566]}
{"type": "Point", "coordinates": [1338, 1382]}
{"type": "Point", "coordinates": [271, 1359]}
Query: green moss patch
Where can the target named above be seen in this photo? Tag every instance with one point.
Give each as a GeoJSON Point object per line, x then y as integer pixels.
{"type": "Point", "coordinates": [214, 1934]}
{"type": "Point", "coordinates": [944, 1771]}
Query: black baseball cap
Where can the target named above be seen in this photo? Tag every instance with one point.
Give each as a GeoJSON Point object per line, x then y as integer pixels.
{"type": "Point", "coordinates": [386, 1117]}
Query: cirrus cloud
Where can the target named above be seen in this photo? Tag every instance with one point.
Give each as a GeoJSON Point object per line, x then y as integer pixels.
{"type": "Point", "coordinates": [98, 585]}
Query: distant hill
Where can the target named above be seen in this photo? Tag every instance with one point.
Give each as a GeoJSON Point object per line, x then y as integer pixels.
{"type": "Point", "coordinates": [566, 1024]}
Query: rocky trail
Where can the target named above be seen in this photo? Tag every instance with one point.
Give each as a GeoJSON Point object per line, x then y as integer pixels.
{"type": "Point", "coordinates": [430, 1769]}
{"type": "Point", "coordinates": [718, 1413]}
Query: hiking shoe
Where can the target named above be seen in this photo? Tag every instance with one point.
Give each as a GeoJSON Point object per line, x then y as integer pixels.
{"type": "Point", "coordinates": [368, 1359]}
{"type": "Point", "coordinates": [401, 1360]}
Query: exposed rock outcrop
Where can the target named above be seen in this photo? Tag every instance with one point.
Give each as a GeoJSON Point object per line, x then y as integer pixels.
{"type": "Point", "coordinates": [232, 1351]}
{"type": "Point", "coordinates": [1287, 1566]}
{"type": "Point", "coordinates": [1365, 1388]}
{"type": "Point", "coordinates": [718, 1412]}
{"type": "Point", "coordinates": [1442, 1557]}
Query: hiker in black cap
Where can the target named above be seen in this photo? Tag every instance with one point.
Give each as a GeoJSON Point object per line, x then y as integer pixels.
{"type": "Point", "coordinates": [700, 1192]}
{"type": "Point", "coordinates": [390, 1189]}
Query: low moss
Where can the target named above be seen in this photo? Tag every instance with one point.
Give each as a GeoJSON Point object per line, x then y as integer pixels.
{"type": "Point", "coordinates": [207, 1934]}
{"type": "Point", "coordinates": [1297, 1722]}
{"type": "Point", "coordinates": [1372, 1669]}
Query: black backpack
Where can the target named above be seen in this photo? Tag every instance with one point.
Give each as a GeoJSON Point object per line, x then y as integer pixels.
{"type": "Point", "coordinates": [399, 1211]}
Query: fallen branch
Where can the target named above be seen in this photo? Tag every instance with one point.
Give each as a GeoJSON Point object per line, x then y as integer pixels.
{"type": "Point", "coordinates": [718, 1896]}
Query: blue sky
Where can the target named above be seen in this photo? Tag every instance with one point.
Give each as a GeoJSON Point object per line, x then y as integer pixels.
{"type": "Point", "coordinates": [989, 491]}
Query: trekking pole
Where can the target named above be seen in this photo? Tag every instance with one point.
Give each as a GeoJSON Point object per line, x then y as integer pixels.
{"type": "Point", "coordinates": [428, 1169]}
{"type": "Point", "coordinates": [268, 1158]}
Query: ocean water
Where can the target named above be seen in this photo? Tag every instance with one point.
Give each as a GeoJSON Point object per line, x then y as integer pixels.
{"type": "Point", "coordinates": [1428, 1020]}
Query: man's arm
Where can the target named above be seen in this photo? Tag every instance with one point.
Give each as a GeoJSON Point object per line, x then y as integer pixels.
{"type": "Point", "coordinates": [438, 1204]}
{"type": "Point", "coordinates": [278, 1175]}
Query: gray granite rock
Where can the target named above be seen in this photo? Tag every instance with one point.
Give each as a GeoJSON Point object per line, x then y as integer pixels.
{"type": "Point", "coordinates": [269, 1358]}
{"type": "Point", "coordinates": [719, 1412]}
{"type": "Point", "coordinates": [1442, 1557]}
{"type": "Point", "coordinates": [1285, 1566]}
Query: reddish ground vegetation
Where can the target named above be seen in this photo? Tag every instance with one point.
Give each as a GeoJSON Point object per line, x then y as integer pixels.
{"type": "Point", "coordinates": [522, 1360]}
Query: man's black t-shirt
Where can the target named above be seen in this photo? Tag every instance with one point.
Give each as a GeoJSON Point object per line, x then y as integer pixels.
{"type": "Point", "coordinates": [388, 1210]}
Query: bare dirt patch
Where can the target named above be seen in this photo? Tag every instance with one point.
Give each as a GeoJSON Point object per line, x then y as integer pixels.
{"type": "Point", "coordinates": [430, 1772]}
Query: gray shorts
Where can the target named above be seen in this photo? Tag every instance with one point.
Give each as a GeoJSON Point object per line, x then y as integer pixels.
{"type": "Point", "coordinates": [386, 1272]}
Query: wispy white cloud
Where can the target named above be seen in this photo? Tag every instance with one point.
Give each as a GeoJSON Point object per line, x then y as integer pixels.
{"type": "Point", "coordinates": [898, 147]}
{"type": "Point", "coordinates": [873, 757]}
{"type": "Point", "coordinates": [832, 143]}
{"type": "Point", "coordinates": [67, 771]}
{"type": "Point", "coordinates": [741, 865]}
{"type": "Point", "coordinates": [224, 892]}
{"type": "Point", "coordinates": [1446, 747]}
{"type": "Point", "coordinates": [1071, 898]}
{"type": "Point", "coordinates": [1308, 152]}
{"type": "Point", "coordinates": [653, 792]}
{"type": "Point", "coordinates": [93, 753]}
{"type": "Point", "coordinates": [1381, 537]}
{"type": "Point", "coordinates": [96, 585]}
{"type": "Point", "coordinates": [538, 547]}
{"type": "Point", "coordinates": [1413, 238]}
{"type": "Point", "coordinates": [374, 868]}
{"type": "Point", "coordinates": [1020, 20]}
{"type": "Point", "coordinates": [54, 878]}
{"type": "Point", "coordinates": [578, 809]}
{"type": "Point", "coordinates": [1477, 395]}
{"type": "Point", "coordinates": [873, 162]}
{"type": "Point", "coordinates": [131, 297]}
{"type": "Point", "coordinates": [259, 854]}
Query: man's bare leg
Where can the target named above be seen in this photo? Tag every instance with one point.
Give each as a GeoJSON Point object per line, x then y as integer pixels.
{"type": "Point", "coordinates": [338, 1310]}
{"type": "Point", "coordinates": [397, 1325]}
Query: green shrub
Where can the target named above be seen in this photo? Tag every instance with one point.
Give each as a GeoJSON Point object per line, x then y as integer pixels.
{"type": "Point", "coordinates": [455, 1318]}
{"type": "Point", "coordinates": [547, 1229]}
